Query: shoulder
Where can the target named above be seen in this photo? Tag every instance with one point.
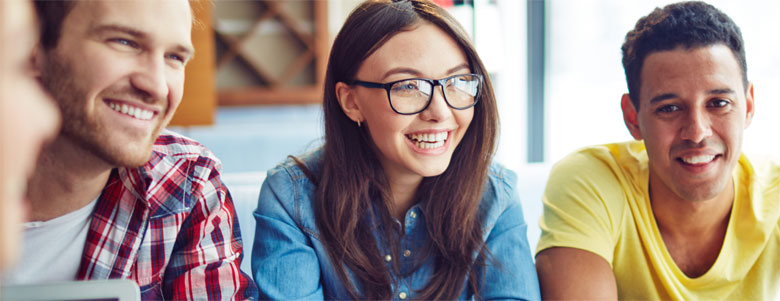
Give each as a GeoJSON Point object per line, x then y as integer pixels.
{"type": "Point", "coordinates": [291, 168]}
{"type": "Point", "coordinates": [763, 169]}
{"type": "Point", "coordinates": [172, 148]}
{"type": "Point", "coordinates": [586, 199]}
{"type": "Point", "coordinates": [180, 172]}
{"type": "Point", "coordinates": [611, 167]}
{"type": "Point", "coordinates": [288, 192]}
{"type": "Point", "coordinates": [758, 179]}
{"type": "Point", "coordinates": [290, 174]}
{"type": "Point", "coordinates": [500, 185]}
{"type": "Point", "coordinates": [500, 196]}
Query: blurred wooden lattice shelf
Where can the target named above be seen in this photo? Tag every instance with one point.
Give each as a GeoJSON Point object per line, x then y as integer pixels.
{"type": "Point", "coordinates": [270, 51]}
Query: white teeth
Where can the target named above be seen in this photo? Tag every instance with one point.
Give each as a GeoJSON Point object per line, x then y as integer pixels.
{"type": "Point", "coordinates": [429, 145]}
{"type": "Point", "coordinates": [138, 113]}
{"type": "Point", "coordinates": [429, 137]}
{"type": "Point", "coordinates": [428, 140]}
{"type": "Point", "coordinates": [698, 159]}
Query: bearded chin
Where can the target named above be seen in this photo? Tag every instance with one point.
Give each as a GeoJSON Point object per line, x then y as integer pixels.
{"type": "Point", "coordinates": [130, 155]}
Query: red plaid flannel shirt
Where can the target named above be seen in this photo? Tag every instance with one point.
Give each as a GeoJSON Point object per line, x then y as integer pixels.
{"type": "Point", "coordinates": [170, 225]}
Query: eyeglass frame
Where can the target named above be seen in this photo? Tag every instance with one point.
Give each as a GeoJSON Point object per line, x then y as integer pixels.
{"type": "Point", "coordinates": [433, 82]}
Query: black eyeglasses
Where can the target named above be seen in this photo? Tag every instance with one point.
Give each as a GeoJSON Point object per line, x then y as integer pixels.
{"type": "Point", "coordinates": [413, 95]}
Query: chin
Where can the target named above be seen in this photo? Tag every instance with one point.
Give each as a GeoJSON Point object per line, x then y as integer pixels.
{"type": "Point", "coordinates": [129, 156]}
{"type": "Point", "coordinates": [433, 171]}
{"type": "Point", "coordinates": [700, 192]}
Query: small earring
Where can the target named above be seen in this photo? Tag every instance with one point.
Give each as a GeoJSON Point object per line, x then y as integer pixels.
{"type": "Point", "coordinates": [358, 122]}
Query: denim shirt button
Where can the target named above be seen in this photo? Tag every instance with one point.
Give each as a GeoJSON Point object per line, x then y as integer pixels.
{"type": "Point", "coordinates": [402, 295]}
{"type": "Point", "coordinates": [388, 258]}
{"type": "Point", "coordinates": [407, 253]}
{"type": "Point", "coordinates": [413, 214]}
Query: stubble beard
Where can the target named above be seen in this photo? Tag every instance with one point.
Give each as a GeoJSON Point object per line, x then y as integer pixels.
{"type": "Point", "coordinates": [83, 129]}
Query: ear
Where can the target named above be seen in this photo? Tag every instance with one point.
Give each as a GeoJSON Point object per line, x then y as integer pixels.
{"type": "Point", "coordinates": [750, 105]}
{"type": "Point", "coordinates": [629, 116]}
{"type": "Point", "coordinates": [348, 101]}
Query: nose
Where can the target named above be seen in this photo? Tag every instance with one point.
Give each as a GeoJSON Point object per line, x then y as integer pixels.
{"type": "Point", "coordinates": [437, 110]}
{"type": "Point", "coordinates": [697, 126]}
{"type": "Point", "coordinates": [149, 77]}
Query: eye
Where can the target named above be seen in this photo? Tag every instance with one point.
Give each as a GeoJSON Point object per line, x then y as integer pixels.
{"type": "Point", "coordinates": [411, 87]}
{"type": "Point", "coordinates": [667, 109]}
{"type": "Point", "coordinates": [405, 86]}
{"type": "Point", "coordinates": [124, 42]}
{"type": "Point", "coordinates": [176, 57]}
{"type": "Point", "coordinates": [718, 103]}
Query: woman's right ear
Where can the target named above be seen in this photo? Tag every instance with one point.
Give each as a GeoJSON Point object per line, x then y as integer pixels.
{"type": "Point", "coordinates": [348, 101]}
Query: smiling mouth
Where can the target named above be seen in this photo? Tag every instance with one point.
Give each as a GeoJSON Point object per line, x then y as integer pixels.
{"type": "Point", "coordinates": [698, 160]}
{"type": "Point", "coordinates": [428, 140]}
{"type": "Point", "coordinates": [131, 110]}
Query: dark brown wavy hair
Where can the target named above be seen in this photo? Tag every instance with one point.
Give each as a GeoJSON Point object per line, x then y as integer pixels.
{"type": "Point", "coordinates": [352, 188]}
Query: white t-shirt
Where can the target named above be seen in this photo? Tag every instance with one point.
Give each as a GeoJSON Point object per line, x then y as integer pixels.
{"type": "Point", "coordinates": [52, 249]}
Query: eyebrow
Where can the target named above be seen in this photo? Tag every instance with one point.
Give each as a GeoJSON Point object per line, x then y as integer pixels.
{"type": "Point", "coordinates": [666, 96]}
{"type": "Point", "coordinates": [721, 91]}
{"type": "Point", "coordinates": [417, 73]}
{"type": "Point", "coordinates": [138, 35]}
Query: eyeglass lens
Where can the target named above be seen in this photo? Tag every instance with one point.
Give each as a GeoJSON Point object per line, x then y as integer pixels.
{"type": "Point", "coordinates": [412, 95]}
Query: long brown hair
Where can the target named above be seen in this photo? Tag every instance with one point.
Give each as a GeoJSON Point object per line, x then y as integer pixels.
{"type": "Point", "coordinates": [352, 198]}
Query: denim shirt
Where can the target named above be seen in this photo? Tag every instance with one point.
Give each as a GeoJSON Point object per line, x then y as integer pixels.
{"type": "Point", "coordinates": [290, 262]}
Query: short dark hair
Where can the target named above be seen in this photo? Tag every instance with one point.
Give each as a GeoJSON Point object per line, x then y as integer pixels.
{"type": "Point", "coordinates": [688, 24]}
{"type": "Point", "coordinates": [51, 15]}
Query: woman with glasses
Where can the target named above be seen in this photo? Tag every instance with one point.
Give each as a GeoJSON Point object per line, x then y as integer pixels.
{"type": "Point", "coordinates": [402, 201]}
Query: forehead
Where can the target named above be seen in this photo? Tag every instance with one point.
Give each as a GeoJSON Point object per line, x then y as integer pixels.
{"type": "Point", "coordinates": [168, 21]}
{"type": "Point", "coordinates": [424, 48]}
{"type": "Point", "coordinates": [681, 70]}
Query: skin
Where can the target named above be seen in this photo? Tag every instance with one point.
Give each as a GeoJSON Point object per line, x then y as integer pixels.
{"type": "Point", "coordinates": [692, 103]}
{"type": "Point", "coordinates": [109, 52]}
{"type": "Point", "coordinates": [28, 117]}
{"type": "Point", "coordinates": [425, 51]}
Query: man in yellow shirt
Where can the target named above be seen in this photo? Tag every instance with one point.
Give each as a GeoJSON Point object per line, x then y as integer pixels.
{"type": "Point", "coordinates": [680, 213]}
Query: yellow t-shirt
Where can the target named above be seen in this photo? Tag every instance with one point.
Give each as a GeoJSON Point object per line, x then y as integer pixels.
{"type": "Point", "coordinates": [597, 200]}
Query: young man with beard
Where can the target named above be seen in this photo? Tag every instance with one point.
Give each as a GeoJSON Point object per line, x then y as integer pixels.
{"type": "Point", "coordinates": [115, 195]}
{"type": "Point", "coordinates": [683, 214]}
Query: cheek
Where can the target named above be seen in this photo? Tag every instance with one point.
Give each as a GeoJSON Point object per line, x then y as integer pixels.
{"type": "Point", "coordinates": [386, 128]}
{"type": "Point", "coordinates": [463, 118]}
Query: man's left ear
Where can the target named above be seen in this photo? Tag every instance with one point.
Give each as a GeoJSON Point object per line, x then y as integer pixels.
{"type": "Point", "coordinates": [749, 105]}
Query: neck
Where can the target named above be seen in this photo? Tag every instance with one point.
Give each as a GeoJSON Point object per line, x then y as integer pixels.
{"type": "Point", "coordinates": [692, 220]}
{"type": "Point", "coordinates": [67, 178]}
{"type": "Point", "coordinates": [402, 189]}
